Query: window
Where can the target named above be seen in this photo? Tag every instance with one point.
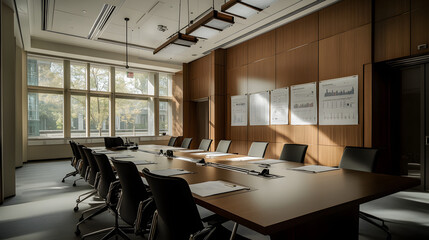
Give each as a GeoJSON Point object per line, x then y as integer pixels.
{"type": "Point", "coordinates": [99, 111]}
{"type": "Point", "coordinates": [91, 108]}
{"type": "Point", "coordinates": [78, 76]}
{"type": "Point", "coordinates": [133, 117]}
{"type": "Point", "coordinates": [78, 116]}
{"type": "Point", "coordinates": [45, 115]}
{"type": "Point", "coordinates": [164, 84]}
{"type": "Point", "coordinates": [134, 82]}
{"type": "Point", "coordinates": [45, 72]}
{"type": "Point", "coordinates": [163, 117]}
{"type": "Point", "coordinates": [100, 78]}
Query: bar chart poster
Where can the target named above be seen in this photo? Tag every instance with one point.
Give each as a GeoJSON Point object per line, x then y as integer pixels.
{"type": "Point", "coordinates": [338, 101]}
{"type": "Point", "coordinates": [259, 105]}
{"type": "Point", "coordinates": [239, 110]}
{"type": "Point", "coordinates": [304, 104]}
{"type": "Point", "coordinates": [280, 106]}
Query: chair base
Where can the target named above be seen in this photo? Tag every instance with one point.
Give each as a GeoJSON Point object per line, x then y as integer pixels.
{"type": "Point", "coordinates": [70, 174]}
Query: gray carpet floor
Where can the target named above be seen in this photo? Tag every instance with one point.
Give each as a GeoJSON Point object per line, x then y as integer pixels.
{"type": "Point", "coordinates": [43, 209]}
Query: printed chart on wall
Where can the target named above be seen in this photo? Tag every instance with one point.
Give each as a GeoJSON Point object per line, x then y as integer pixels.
{"type": "Point", "coordinates": [280, 106]}
{"type": "Point", "coordinates": [338, 101]}
{"type": "Point", "coordinates": [304, 104]}
{"type": "Point", "coordinates": [259, 108]}
{"type": "Point", "coordinates": [239, 110]}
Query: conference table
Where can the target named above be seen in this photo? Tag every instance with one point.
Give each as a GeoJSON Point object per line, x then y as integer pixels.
{"type": "Point", "coordinates": [293, 205]}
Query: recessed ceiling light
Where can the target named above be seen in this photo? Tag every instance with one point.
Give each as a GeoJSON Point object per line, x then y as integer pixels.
{"type": "Point", "coordinates": [84, 11]}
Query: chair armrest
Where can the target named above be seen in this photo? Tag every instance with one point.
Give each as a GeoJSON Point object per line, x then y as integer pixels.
{"type": "Point", "coordinates": [97, 180]}
{"type": "Point", "coordinates": [113, 194]}
{"type": "Point", "coordinates": [144, 215]}
{"type": "Point", "coordinates": [87, 173]}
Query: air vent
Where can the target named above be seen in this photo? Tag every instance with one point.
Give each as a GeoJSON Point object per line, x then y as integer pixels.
{"type": "Point", "coordinates": [101, 21]}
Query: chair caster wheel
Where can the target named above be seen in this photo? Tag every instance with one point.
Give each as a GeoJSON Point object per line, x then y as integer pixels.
{"type": "Point", "coordinates": [77, 232]}
{"type": "Point", "coordinates": [62, 180]}
{"type": "Point", "coordinates": [76, 208]}
{"type": "Point", "coordinates": [74, 184]}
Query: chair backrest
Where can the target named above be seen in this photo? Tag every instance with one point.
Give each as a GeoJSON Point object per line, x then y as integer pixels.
{"type": "Point", "coordinates": [75, 151]}
{"type": "Point", "coordinates": [110, 142]}
{"type": "Point", "coordinates": [205, 144]}
{"type": "Point", "coordinates": [84, 162]}
{"type": "Point", "coordinates": [133, 190]}
{"type": "Point", "coordinates": [172, 141]}
{"type": "Point", "coordinates": [107, 176]}
{"type": "Point", "coordinates": [294, 152]}
{"type": "Point", "coordinates": [257, 149]}
{"type": "Point", "coordinates": [178, 215]}
{"type": "Point", "coordinates": [93, 166]}
{"type": "Point", "coordinates": [223, 146]}
{"type": "Point", "coordinates": [359, 158]}
{"type": "Point", "coordinates": [186, 142]}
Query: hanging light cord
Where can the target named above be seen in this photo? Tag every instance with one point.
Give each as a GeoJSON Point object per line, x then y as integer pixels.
{"type": "Point", "coordinates": [126, 42]}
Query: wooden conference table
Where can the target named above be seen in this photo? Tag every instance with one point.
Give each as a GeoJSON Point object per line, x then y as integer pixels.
{"type": "Point", "coordinates": [298, 205]}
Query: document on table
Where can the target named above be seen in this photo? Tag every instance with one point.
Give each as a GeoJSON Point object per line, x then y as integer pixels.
{"type": "Point", "coordinates": [211, 188]}
{"type": "Point", "coordinates": [268, 161]}
{"type": "Point", "coordinates": [243, 158]}
{"type": "Point", "coordinates": [217, 154]}
{"type": "Point", "coordinates": [170, 172]}
{"type": "Point", "coordinates": [121, 156]}
{"type": "Point", "coordinates": [142, 162]}
{"type": "Point", "coordinates": [191, 150]}
{"type": "Point", "coordinates": [105, 151]}
{"type": "Point", "coordinates": [315, 168]}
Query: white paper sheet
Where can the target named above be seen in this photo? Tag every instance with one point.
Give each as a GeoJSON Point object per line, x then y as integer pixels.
{"type": "Point", "coordinates": [259, 105]}
{"type": "Point", "coordinates": [338, 101]}
{"type": "Point", "coordinates": [105, 151]}
{"type": "Point", "coordinates": [239, 110]}
{"type": "Point", "coordinates": [218, 154]}
{"type": "Point", "coordinates": [211, 188]}
{"type": "Point", "coordinates": [191, 150]}
{"type": "Point", "coordinates": [120, 156]}
{"type": "Point", "coordinates": [170, 172]}
{"type": "Point", "coordinates": [243, 158]}
{"type": "Point", "coordinates": [142, 162]}
{"type": "Point", "coordinates": [268, 161]}
{"type": "Point", "coordinates": [303, 104]}
{"type": "Point", "coordinates": [315, 168]}
{"type": "Point", "coordinates": [280, 106]}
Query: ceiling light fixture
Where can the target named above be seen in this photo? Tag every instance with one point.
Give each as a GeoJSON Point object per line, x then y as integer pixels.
{"type": "Point", "coordinates": [178, 40]}
{"type": "Point", "coordinates": [210, 25]}
{"type": "Point", "coordinates": [245, 8]}
{"type": "Point", "coordinates": [126, 42]}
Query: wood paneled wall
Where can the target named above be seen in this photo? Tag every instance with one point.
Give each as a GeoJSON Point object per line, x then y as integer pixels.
{"type": "Point", "coordinates": [334, 42]}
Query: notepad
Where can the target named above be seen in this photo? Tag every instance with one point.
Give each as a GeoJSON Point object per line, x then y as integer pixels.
{"type": "Point", "coordinates": [188, 159]}
{"type": "Point", "coordinates": [315, 168]}
{"type": "Point", "coordinates": [268, 161]}
{"type": "Point", "coordinates": [170, 172]}
{"type": "Point", "coordinates": [243, 158]}
{"type": "Point", "coordinates": [143, 162]}
{"type": "Point", "coordinates": [191, 150]}
{"type": "Point", "coordinates": [211, 188]}
{"type": "Point", "coordinates": [218, 154]}
{"type": "Point", "coordinates": [120, 156]}
{"type": "Point", "coordinates": [105, 151]}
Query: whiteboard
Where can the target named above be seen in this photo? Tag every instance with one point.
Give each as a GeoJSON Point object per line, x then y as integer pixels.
{"type": "Point", "coordinates": [280, 106]}
{"type": "Point", "coordinates": [239, 110]}
{"type": "Point", "coordinates": [260, 108]}
{"type": "Point", "coordinates": [304, 104]}
{"type": "Point", "coordinates": [338, 101]}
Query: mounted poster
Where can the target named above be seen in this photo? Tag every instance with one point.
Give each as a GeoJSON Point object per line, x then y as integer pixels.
{"type": "Point", "coordinates": [259, 105]}
{"type": "Point", "coordinates": [280, 106]}
{"type": "Point", "coordinates": [239, 110]}
{"type": "Point", "coordinates": [303, 104]}
{"type": "Point", "coordinates": [338, 101]}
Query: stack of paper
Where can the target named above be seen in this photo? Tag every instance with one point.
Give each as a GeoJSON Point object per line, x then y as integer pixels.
{"type": "Point", "coordinates": [120, 156]}
{"type": "Point", "coordinates": [170, 172]}
{"type": "Point", "coordinates": [243, 158]}
{"type": "Point", "coordinates": [211, 188]}
{"type": "Point", "coordinates": [315, 168]}
{"type": "Point", "coordinates": [268, 161]}
{"type": "Point", "coordinates": [191, 150]}
{"type": "Point", "coordinates": [143, 162]}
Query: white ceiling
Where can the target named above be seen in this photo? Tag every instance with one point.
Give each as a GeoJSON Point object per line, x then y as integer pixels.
{"type": "Point", "coordinates": [70, 21]}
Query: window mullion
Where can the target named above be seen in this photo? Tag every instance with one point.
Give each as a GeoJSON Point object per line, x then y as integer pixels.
{"type": "Point", "coordinates": [112, 102]}
{"type": "Point", "coordinates": [67, 107]}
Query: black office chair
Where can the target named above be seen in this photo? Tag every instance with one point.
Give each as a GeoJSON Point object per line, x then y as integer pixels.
{"type": "Point", "coordinates": [294, 152]}
{"type": "Point", "coordinates": [112, 142]}
{"type": "Point", "coordinates": [363, 159]}
{"type": "Point", "coordinates": [257, 149]}
{"type": "Point", "coordinates": [74, 162]}
{"type": "Point", "coordinates": [136, 207]}
{"type": "Point", "coordinates": [172, 141]}
{"type": "Point", "coordinates": [205, 144]}
{"type": "Point", "coordinates": [88, 173]}
{"type": "Point", "coordinates": [179, 219]}
{"type": "Point", "coordinates": [106, 177]}
{"type": "Point", "coordinates": [223, 146]}
{"type": "Point", "coordinates": [186, 142]}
